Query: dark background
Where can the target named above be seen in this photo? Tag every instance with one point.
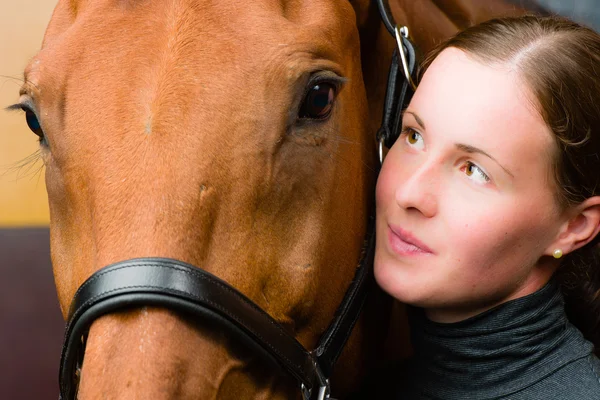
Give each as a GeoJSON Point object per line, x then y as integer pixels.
{"type": "Point", "coordinates": [31, 325]}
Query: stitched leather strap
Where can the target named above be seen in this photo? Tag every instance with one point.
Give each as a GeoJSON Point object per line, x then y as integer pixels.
{"type": "Point", "coordinates": [182, 287]}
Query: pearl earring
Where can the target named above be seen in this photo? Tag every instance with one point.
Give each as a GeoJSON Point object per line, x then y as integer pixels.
{"type": "Point", "coordinates": [557, 253]}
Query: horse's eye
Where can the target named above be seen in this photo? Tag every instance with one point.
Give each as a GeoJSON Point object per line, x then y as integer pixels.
{"type": "Point", "coordinates": [33, 123]}
{"type": "Point", "coordinates": [318, 102]}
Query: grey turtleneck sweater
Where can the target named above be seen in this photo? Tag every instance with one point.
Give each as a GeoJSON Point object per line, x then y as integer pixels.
{"type": "Point", "coordinates": [524, 349]}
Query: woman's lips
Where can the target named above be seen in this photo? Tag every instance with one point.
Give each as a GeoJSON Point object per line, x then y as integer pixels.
{"type": "Point", "coordinates": [405, 244]}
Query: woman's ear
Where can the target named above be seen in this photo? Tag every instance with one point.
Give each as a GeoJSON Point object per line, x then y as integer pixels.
{"type": "Point", "coordinates": [580, 229]}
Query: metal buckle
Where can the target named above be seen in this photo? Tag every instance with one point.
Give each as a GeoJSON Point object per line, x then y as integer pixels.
{"type": "Point", "coordinates": [404, 32]}
{"type": "Point", "coordinates": [324, 392]}
{"type": "Point", "coordinates": [323, 385]}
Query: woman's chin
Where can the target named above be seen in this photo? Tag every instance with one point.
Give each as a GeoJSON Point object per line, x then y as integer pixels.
{"type": "Point", "coordinates": [399, 283]}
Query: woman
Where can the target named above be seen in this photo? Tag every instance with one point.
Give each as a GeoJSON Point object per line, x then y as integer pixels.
{"type": "Point", "coordinates": [488, 210]}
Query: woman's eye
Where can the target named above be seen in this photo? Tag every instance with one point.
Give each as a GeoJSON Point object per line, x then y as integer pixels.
{"type": "Point", "coordinates": [414, 138]}
{"type": "Point", "coordinates": [476, 173]}
{"type": "Point", "coordinates": [318, 102]}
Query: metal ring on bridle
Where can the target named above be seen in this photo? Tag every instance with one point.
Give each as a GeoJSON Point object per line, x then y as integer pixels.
{"type": "Point", "coordinates": [324, 392]}
{"type": "Point", "coordinates": [404, 32]}
{"type": "Point", "coordinates": [381, 150]}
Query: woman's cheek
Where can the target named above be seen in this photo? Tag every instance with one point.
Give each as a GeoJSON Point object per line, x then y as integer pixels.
{"type": "Point", "coordinates": [389, 178]}
{"type": "Point", "coordinates": [382, 189]}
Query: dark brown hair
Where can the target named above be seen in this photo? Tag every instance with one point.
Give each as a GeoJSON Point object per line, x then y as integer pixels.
{"type": "Point", "coordinates": [560, 62]}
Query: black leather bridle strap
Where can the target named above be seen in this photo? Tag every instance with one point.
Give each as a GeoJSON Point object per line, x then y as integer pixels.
{"type": "Point", "coordinates": [386, 15]}
{"type": "Point", "coordinates": [181, 287]}
{"type": "Point", "coordinates": [399, 90]}
{"type": "Point", "coordinates": [334, 339]}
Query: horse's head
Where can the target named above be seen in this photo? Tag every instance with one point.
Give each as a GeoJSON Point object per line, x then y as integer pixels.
{"type": "Point", "coordinates": [232, 137]}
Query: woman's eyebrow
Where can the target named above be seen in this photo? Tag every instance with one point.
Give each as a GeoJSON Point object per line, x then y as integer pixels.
{"type": "Point", "coordinates": [472, 149]}
{"type": "Point", "coordinates": [417, 118]}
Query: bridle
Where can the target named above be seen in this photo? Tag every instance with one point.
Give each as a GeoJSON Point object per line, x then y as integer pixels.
{"type": "Point", "coordinates": [184, 288]}
{"type": "Point", "coordinates": [401, 86]}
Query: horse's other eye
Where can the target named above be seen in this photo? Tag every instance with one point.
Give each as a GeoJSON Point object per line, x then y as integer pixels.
{"type": "Point", "coordinates": [33, 123]}
{"type": "Point", "coordinates": [318, 102]}
{"type": "Point", "coordinates": [32, 120]}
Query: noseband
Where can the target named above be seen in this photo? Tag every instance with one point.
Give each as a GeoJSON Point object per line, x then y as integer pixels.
{"type": "Point", "coordinates": [181, 287]}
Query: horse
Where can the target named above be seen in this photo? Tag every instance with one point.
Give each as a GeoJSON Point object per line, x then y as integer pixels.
{"type": "Point", "coordinates": [235, 138]}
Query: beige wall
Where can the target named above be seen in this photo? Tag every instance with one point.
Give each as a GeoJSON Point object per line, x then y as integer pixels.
{"type": "Point", "coordinates": [22, 198]}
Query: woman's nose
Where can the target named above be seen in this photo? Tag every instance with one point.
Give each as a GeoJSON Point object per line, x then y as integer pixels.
{"type": "Point", "coordinates": [418, 191]}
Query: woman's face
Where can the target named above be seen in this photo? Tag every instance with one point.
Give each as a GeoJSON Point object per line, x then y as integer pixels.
{"type": "Point", "coordinates": [465, 199]}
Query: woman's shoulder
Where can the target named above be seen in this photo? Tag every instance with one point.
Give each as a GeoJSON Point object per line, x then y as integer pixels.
{"type": "Point", "coordinates": [576, 380]}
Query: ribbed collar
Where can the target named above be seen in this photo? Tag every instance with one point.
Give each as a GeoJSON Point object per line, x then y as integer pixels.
{"type": "Point", "coordinates": [496, 353]}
